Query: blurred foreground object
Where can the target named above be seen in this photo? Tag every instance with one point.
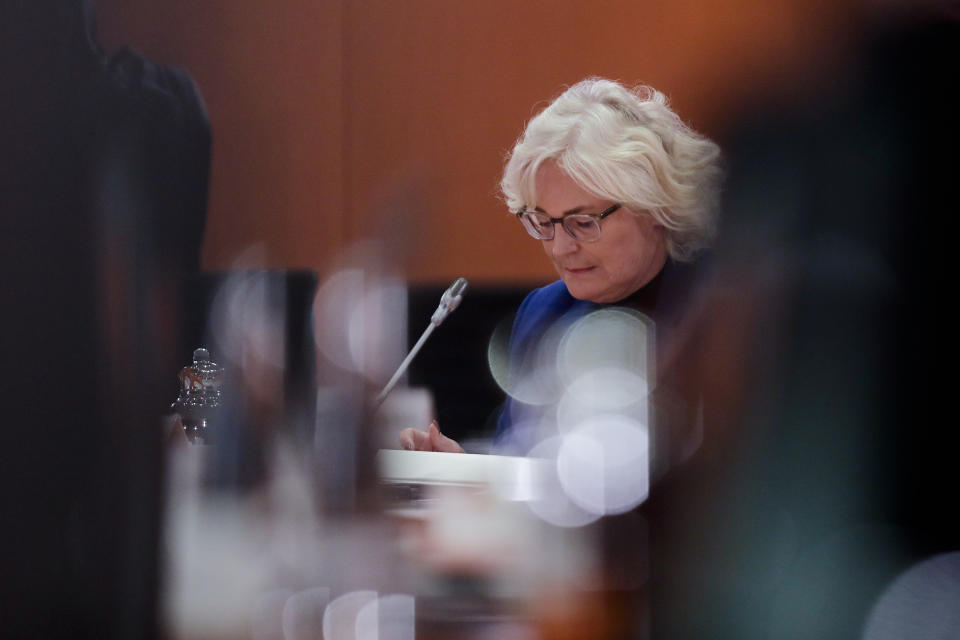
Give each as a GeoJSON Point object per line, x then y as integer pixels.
{"type": "Point", "coordinates": [920, 603]}
{"type": "Point", "coordinates": [95, 170]}
{"type": "Point", "coordinates": [828, 460]}
{"type": "Point", "coordinates": [489, 563]}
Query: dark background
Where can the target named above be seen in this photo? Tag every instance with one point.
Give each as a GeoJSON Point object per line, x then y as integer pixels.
{"type": "Point", "coordinates": [453, 362]}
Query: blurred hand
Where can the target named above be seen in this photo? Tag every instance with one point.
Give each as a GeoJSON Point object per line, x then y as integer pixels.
{"type": "Point", "coordinates": [429, 440]}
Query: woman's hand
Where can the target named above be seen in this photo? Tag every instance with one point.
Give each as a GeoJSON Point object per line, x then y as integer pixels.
{"type": "Point", "coordinates": [430, 440]}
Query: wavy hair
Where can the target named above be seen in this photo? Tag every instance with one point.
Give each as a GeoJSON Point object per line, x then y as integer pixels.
{"type": "Point", "coordinates": [629, 147]}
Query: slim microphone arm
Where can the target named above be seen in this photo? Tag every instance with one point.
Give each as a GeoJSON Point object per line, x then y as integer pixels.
{"type": "Point", "coordinates": [448, 302]}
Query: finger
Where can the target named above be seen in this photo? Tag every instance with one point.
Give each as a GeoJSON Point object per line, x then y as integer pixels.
{"type": "Point", "coordinates": [408, 439]}
{"type": "Point", "coordinates": [414, 440]}
{"type": "Point", "coordinates": [440, 442]}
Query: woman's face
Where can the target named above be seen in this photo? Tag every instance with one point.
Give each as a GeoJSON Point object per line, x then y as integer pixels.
{"type": "Point", "coordinates": [630, 252]}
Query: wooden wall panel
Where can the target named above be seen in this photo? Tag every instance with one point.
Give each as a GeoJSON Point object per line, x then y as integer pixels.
{"type": "Point", "coordinates": [336, 119]}
{"type": "Point", "coordinates": [270, 74]}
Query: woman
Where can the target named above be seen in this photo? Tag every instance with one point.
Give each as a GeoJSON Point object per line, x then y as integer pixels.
{"type": "Point", "coordinates": [634, 193]}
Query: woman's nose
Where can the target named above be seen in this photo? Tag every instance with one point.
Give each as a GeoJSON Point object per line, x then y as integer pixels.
{"type": "Point", "coordinates": [562, 242]}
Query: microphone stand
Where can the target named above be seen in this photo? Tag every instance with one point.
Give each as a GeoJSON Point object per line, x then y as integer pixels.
{"type": "Point", "coordinates": [448, 302]}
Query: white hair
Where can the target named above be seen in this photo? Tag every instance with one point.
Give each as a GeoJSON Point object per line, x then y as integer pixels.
{"type": "Point", "coordinates": [626, 146]}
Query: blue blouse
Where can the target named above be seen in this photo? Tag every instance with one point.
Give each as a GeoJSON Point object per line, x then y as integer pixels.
{"type": "Point", "coordinates": [663, 300]}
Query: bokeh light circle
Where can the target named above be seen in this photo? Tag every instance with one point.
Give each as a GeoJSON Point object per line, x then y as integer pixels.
{"type": "Point", "coordinates": [602, 391]}
{"type": "Point", "coordinates": [552, 505]}
{"type": "Point", "coordinates": [609, 338]}
{"type": "Point", "coordinates": [603, 465]}
{"type": "Point", "coordinates": [533, 381]}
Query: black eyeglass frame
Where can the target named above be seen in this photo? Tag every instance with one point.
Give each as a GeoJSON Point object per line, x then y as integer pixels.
{"type": "Point", "coordinates": [597, 217]}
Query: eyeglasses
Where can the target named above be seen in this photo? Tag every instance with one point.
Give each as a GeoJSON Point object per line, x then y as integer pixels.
{"type": "Point", "coordinates": [584, 227]}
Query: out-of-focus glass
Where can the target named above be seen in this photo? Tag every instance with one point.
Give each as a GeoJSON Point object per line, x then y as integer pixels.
{"type": "Point", "coordinates": [199, 397]}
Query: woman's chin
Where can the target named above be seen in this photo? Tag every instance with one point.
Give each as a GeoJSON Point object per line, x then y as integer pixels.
{"type": "Point", "coordinates": [582, 290]}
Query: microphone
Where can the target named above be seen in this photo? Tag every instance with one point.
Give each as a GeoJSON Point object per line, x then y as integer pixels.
{"type": "Point", "coordinates": [449, 301]}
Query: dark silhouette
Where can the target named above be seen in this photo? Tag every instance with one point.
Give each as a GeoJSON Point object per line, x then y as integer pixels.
{"type": "Point", "coordinates": [103, 182]}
